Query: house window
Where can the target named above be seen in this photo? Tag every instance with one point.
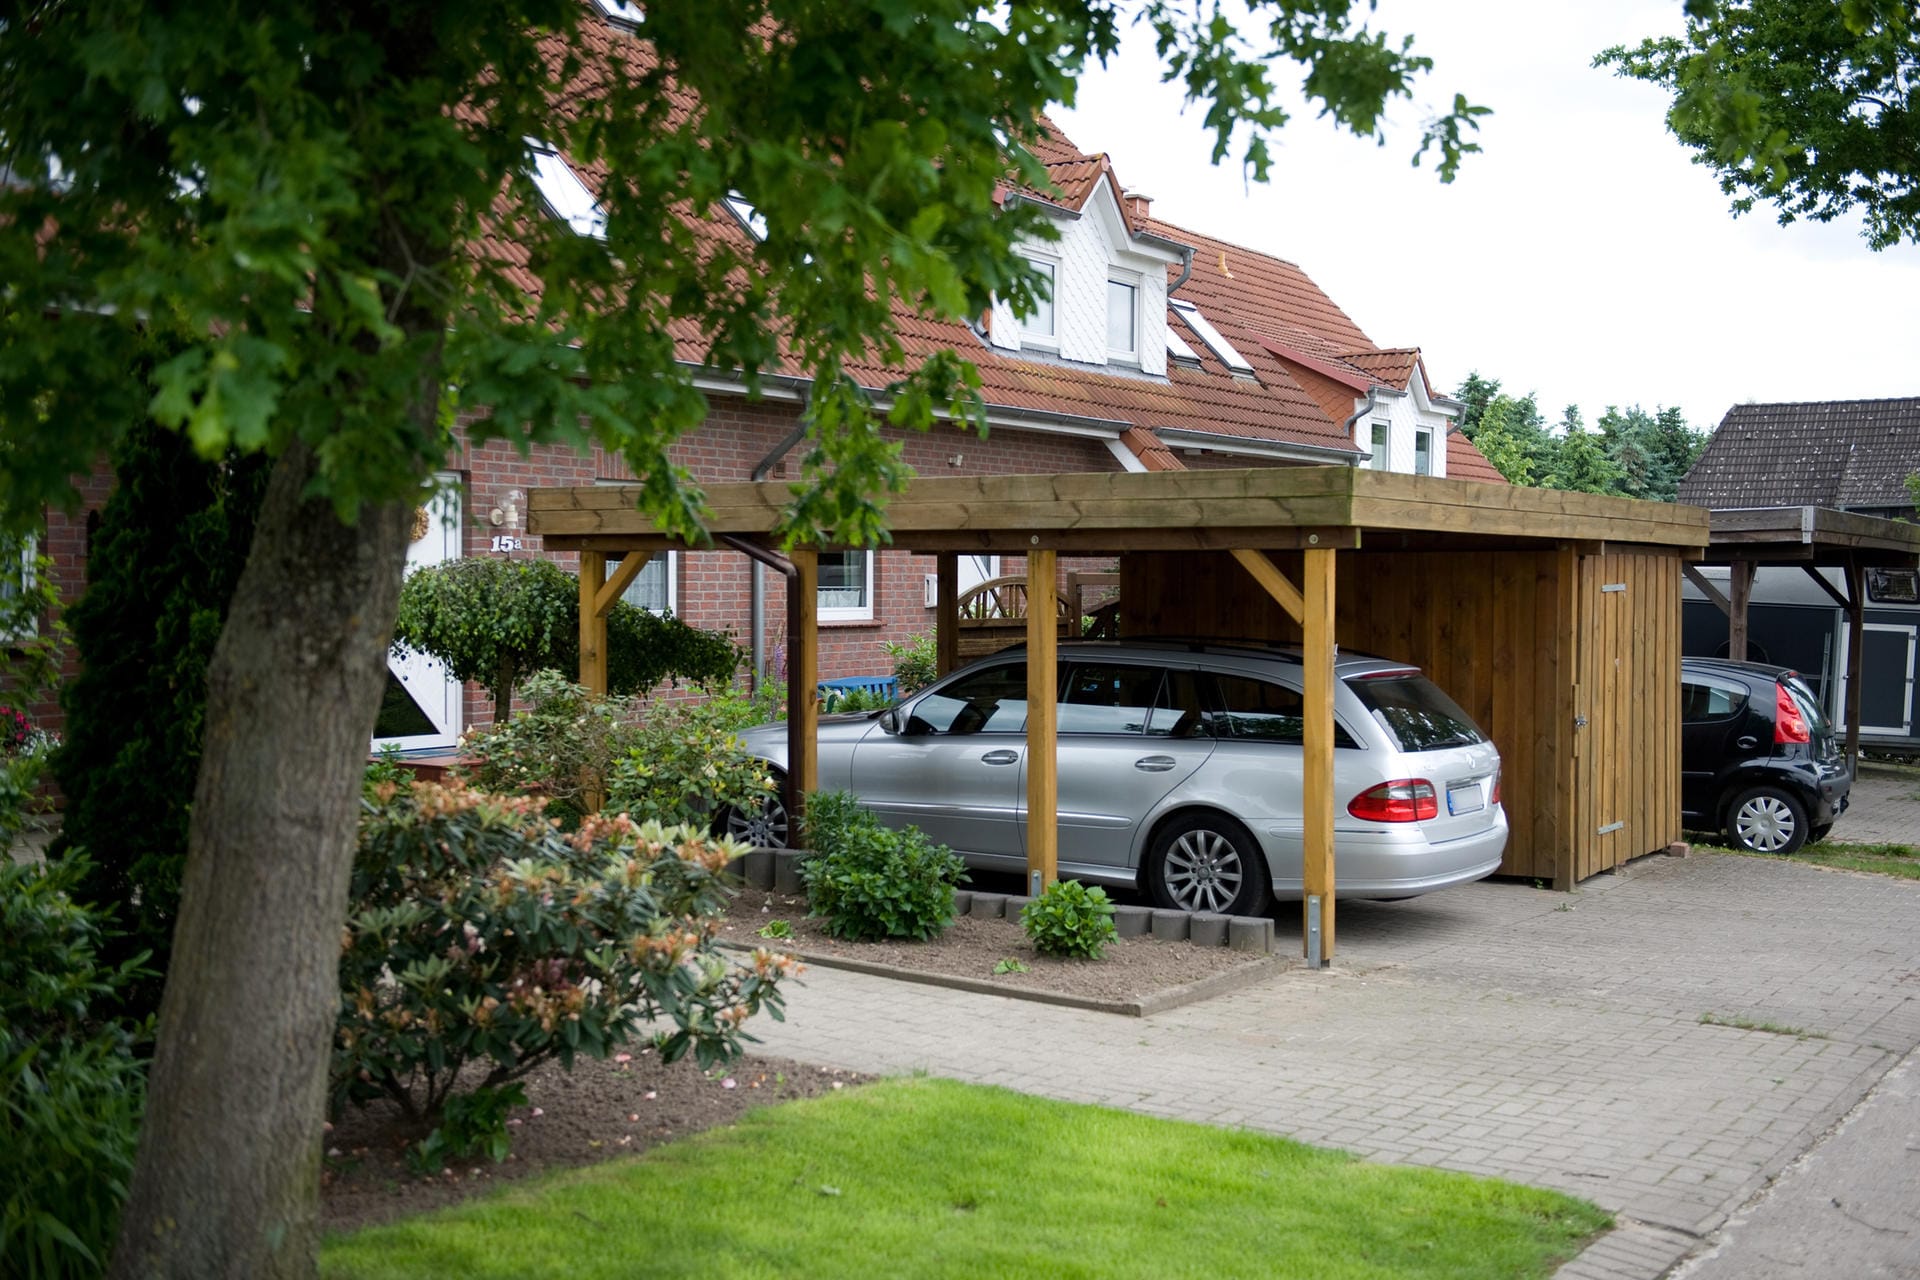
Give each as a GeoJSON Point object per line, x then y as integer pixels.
{"type": "Point", "coordinates": [1423, 452]}
{"type": "Point", "coordinates": [1123, 318]}
{"type": "Point", "coordinates": [653, 590]}
{"type": "Point", "coordinates": [1038, 323]}
{"type": "Point", "coordinates": [845, 592]}
{"type": "Point", "coordinates": [16, 578]}
{"type": "Point", "coordinates": [1381, 460]}
{"type": "Point", "coordinates": [1216, 341]}
{"type": "Point", "coordinates": [565, 196]}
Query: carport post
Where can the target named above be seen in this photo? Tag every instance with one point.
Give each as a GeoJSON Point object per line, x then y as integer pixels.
{"type": "Point", "coordinates": [1316, 925]}
{"type": "Point", "coordinates": [1043, 663]}
{"type": "Point", "coordinates": [803, 679]}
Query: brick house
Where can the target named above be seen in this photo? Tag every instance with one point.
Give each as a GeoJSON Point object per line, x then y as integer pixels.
{"type": "Point", "coordinates": [1160, 347]}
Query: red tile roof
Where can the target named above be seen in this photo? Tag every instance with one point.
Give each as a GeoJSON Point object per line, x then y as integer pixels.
{"type": "Point", "coordinates": [1465, 462]}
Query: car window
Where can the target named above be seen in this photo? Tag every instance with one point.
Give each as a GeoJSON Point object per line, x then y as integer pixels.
{"type": "Point", "coordinates": [1262, 711]}
{"type": "Point", "coordinates": [1179, 713]}
{"type": "Point", "coordinates": [1809, 706]}
{"type": "Point", "coordinates": [1107, 697]}
{"type": "Point", "coordinates": [1702, 700]}
{"type": "Point", "coordinates": [1413, 710]}
{"type": "Point", "coordinates": [989, 701]}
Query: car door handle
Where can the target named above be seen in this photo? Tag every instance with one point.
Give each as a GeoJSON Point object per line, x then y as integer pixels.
{"type": "Point", "coordinates": [1153, 764]}
{"type": "Point", "coordinates": [1000, 757]}
{"type": "Point", "coordinates": [1747, 742]}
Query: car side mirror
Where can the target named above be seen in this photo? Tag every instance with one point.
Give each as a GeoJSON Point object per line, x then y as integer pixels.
{"type": "Point", "coordinates": [890, 721]}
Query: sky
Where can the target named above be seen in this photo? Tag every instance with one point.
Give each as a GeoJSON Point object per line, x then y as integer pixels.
{"type": "Point", "coordinates": [1581, 256]}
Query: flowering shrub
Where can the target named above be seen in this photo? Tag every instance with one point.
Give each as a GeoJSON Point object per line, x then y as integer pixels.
{"type": "Point", "coordinates": [684, 764]}
{"type": "Point", "coordinates": [479, 932]}
{"type": "Point", "coordinates": [868, 881]}
{"type": "Point", "coordinates": [560, 747]}
{"type": "Point", "coordinates": [15, 730]}
{"type": "Point", "coordinates": [21, 771]}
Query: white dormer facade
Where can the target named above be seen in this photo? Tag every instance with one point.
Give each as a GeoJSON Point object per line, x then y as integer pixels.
{"type": "Point", "coordinates": [1109, 304]}
{"type": "Point", "coordinates": [1404, 431]}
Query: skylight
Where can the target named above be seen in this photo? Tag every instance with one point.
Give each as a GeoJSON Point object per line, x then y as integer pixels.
{"type": "Point", "coordinates": [1177, 348]}
{"type": "Point", "coordinates": [565, 195]}
{"type": "Point", "coordinates": [748, 215]}
{"type": "Point", "coordinates": [1211, 336]}
{"type": "Point", "coordinates": [620, 11]}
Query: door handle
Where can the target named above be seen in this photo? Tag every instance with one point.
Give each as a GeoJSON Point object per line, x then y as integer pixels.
{"type": "Point", "coordinates": [1747, 742]}
{"type": "Point", "coordinates": [1000, 757]}
{"type": "Point", "coordinates": [1153, 764]}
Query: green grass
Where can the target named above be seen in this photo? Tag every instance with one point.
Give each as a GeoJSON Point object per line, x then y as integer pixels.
{"type": "Point", "coordinates": [922, 1177]}
{"type": "Point", "coordinates": [1751, 1024]}
{"type": "Point", "coordinates": [1901, 861]}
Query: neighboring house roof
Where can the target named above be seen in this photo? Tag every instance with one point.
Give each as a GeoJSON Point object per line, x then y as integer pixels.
{"type": "Point", "coordinates": [1823, 453]}
{"type": "Point", "coordinates": [1465, 462]}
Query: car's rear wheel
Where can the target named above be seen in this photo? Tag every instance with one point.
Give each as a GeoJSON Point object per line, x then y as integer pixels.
{"type": "Point", "coordinates": [1208, 862]}
{"type": "Point", "coordinates": [1819, 833]}
{"type": "Point", "coordinates": [763, 828]}
{"type": "Point", "coordinates": [1767, 820]}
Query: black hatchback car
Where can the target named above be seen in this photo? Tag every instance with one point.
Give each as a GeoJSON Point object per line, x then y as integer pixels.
{"type": "Point", "coordinates": [1758, 758]}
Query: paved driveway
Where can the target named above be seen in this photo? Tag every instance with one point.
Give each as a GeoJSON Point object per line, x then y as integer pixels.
{"type": "Point", "coordinates": [1556, 1039]}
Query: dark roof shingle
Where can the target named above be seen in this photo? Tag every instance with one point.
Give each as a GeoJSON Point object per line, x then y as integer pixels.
{"type": "Point", "coordinates": [1823, 453]}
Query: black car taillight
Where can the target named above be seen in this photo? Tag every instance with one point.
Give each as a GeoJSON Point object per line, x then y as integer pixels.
{"type": "Point", "coordinates": [1788, 724]}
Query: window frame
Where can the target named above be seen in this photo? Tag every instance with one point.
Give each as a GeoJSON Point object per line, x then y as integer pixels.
{"type": "Point", "coordinates": [847, 613]}
{"type": "Point", "coordinates": [1423, 456]}
{"type": "Point", "coordinates": [28, 578]}
{"type": "Point", "coordinates": [561, 186]}
{"type": "Point", "coordinates": [671, 560]}
{"type": "Point", "coordinates": [1382, 446]}
{"type": "Point", "coordinates": [1049, 338]}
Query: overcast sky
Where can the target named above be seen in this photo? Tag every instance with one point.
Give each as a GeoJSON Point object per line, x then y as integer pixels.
{"type": "Point", "coordinates": [1581, 256]}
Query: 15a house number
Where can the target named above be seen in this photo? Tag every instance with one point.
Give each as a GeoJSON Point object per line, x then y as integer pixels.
{"type": "Point", "coordinates": [508, 542]}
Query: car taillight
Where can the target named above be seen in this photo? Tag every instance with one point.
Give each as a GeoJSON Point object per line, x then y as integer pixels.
{"type": "Point", "coordinates": [1496, 786]}
{"type": "Point", "coordinates": [1407, 800]}
{"type": "Point", "coordinates": [1788, 724]}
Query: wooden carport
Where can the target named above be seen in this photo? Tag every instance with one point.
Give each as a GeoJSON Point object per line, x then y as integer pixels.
{"type": "Point", "coordinates": [1813, 538]}
{"type": "Point", "coordinates": [1552, 617]}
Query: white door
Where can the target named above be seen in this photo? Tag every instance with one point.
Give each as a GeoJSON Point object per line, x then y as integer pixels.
{"type": "Point", "coordinates": [1886, 688]}
{"type": "Point", "coordinates": [421, 707]}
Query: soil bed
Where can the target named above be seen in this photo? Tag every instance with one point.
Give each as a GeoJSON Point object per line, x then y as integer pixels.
{"type": "Point", "coordinates": [1132, 969]}
{"type": "Point", "coordinates": [598, 1112]}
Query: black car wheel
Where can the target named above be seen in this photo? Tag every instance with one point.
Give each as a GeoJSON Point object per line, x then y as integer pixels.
{"type": "Point", "coordinates": [1767, 820]}
{"type": "Point", "coordinates": [764, 828]}
{"type": "Point", "coordinates": [1208, 862]}
{"type": "Point", "coordinates": [1819, 833]}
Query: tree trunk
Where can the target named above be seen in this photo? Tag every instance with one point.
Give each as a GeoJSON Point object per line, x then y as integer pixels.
{"type": "Point", "coordinates": [227, 1179]}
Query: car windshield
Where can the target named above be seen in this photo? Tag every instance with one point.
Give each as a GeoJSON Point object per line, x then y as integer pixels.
{"type": "Point", "coordinates": [1809, 706]}
{"type": "Point", "coordinates": [1414, 712]}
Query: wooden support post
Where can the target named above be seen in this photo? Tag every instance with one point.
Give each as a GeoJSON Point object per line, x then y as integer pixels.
{"type": "Point", "coordinates": [946, 611]}
{"type": "Point", "coordinates": [1043, 674]}
{"type": "Point", "coordinates": [620, 579]}
{"type": "Point", "coordinates": [593, 622]}
{"type": "Point", "coordinates": [1317, 752]}
{"type": "Point", "coordinates": [803, 677]}
{"type": "Point", "coordinates": [1275, 582]}
{"type": "Point", "coordinates": [1707, 589]}
{"type": "Point", "coordinates": [1740, 591]}
{"type": "Point", "coordinates": [1856, 643]}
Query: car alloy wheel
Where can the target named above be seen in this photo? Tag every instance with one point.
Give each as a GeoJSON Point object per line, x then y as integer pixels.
{"type": "Point", "coordinates": [763, 828]}
{"type": "Point", "coordinates": [1767, 820]}
{"type": "Point", "coordinates": [1205, 863]}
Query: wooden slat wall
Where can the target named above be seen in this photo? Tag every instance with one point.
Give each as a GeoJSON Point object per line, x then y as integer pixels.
{"type": "Point", "coordinates": [1494, 630]}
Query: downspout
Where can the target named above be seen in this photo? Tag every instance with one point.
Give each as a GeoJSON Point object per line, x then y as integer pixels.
{"type": "Point", "coordinates": [757, 594]}
{"type": "Point", "coordinates": [1362, 412]}
{"type": "Point", "coordinates": [1186, 269]}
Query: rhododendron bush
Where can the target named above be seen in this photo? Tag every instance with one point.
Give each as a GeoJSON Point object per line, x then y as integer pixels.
{"type": "Point", "coordinates": [481, 932]}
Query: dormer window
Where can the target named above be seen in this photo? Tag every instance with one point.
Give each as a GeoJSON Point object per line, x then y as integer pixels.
{"type": "Point", "coordinates": [561, 190]}
{"type": "Point", "coordinates": [1038, 324]}
{"type": "Point", "coordinates": [1382, 459]}
{"type": "Point", "coordinates": [1423, 451]}
{"type": "Point", "coordinates": [1123, 319]}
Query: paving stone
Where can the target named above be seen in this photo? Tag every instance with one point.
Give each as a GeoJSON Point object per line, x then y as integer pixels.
{"type": "Point", "coordinates": [988, 906]}
{"type": "Point", "coordinates": [1133, 922]}
{"type": "Point", "coordinates": [1170, 926]}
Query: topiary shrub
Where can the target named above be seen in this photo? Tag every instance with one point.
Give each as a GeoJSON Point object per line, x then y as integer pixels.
{"type": "Point", "coordinates": [161, 569]}
{"type": "Point", "coordinates": [1070, 919]}
{"type": "Point", "coordinates": [71, 1081]}
{"type": "Point", "coordinates": [497, 621]}
{"type": "Point", "coordinates": [867, 881]}
{"type": "Point", "coordinates": [479, 933]}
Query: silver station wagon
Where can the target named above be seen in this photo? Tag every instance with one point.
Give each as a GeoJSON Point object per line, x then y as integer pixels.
{"type": "Point", "coordinates": [1179, 772]}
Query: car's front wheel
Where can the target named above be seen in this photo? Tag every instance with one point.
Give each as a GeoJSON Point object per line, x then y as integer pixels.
{"type": "Point", "coordinates": [765, 827]}
{"type": "Point", "coordinates": [1767, 820]}
{"type": "Point", "coordinates": [1208, 862]}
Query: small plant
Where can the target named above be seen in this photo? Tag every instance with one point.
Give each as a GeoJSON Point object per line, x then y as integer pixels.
{"type": "Point", "coordinates": [915, 661]}
{"type": "Point", "coordinates": [868, 881]}
{"type": "Point", "coordinates": [1070, 919]}
{"type": "Point", "coordinates": [1007, 964]}
{"type": "Point", "coordinates": [840, 701]}
{"type": "Point", "coordinates": [775, 929]}
{"type": "Point", "coordinates": [1752, 1024]}
{"type": "Point", "coordinates": [471, 1124]}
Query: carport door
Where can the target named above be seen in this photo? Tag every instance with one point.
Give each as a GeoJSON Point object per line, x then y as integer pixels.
{"type": "Point", "coordinates": [1886, 689]}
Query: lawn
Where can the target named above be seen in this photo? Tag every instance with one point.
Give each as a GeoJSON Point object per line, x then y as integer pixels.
{"type": "Point", "coordinates": [1899, 860]}
{"type": "Point", "coordinates": [923, 1177]}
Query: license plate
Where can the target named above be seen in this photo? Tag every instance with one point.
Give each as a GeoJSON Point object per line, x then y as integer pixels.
{"type": "Point", "coordinates": [1465, 798]}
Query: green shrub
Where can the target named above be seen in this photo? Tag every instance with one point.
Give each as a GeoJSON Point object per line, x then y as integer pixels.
{"type": "Point", "coordinates": [736, 708]}
{"type": "Point", "coordinates": [21, 771]}
{"type": "Point", "coordinates": [478, 932]}
{"type": "Point", "coordinates": [471, 1124]}
{"type": "Point", "coordinates": [497, 621]}
{"type": "Point", "coordinates": [71, 1083]}
{"type": "Point", "coordinates": [560, 747]}
{"type": "Point", "coordinates": [684, 764]}
{"type": "Point", "coordinates": [868, 881]}
{"type": "Point", "coordinates": [841, 700]}
{"type": "Point", "coordinates": [1069, 919]}
{"type": "Point", "coordinates": [915, 662]}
